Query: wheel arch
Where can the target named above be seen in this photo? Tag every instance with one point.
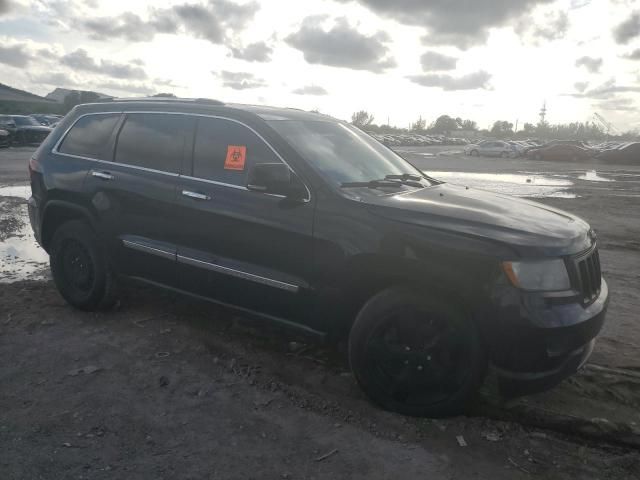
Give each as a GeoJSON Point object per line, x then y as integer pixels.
{"type": "Point", "coordinates": [368, 274]}
{"type": "Point", "coordinates": [58, 212]}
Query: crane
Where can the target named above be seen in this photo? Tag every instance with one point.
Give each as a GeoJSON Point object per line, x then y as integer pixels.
{"type": "Point", "coordinates": [607, 125]}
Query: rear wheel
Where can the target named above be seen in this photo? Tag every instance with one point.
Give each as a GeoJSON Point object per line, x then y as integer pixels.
{"type": "Point", "coordinates": [504, 154]}
{"type": "Point", "coordinates": [416, 356]}
{"type": "Point", "coordinates": [80, 268]}
{"type": "Point", "coordinates": [474, 153]}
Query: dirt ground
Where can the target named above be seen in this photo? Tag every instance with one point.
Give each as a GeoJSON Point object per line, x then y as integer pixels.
{"type": "Point", "coordinates": [168, 387]}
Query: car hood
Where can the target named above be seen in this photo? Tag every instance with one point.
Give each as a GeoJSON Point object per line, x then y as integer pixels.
{"type": "Point", "coordinates": [529, 228]}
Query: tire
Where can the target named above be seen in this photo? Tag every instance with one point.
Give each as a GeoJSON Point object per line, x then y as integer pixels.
{"type": "Point", "coordinates": [504, 154]}
{"type": "Point", "coordinates": [432, 389]}
{"type": "Point", "coordinates": [474, 153]}
{"type": "Point", "coordinates": [80, 267]}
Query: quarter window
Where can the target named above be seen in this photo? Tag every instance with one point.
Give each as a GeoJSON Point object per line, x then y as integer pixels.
{"type": "Point", "coordinates": [224, 150]}
{"type": "Point", "coordinates": [153, 140]}
{"type": "Point", "coordinates": [91, 137]}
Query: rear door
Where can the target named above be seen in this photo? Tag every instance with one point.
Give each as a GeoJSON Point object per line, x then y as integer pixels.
{"type": "Point", "coordinates": [238, 246]}
{"type": "Point", "coordinates": [134, 194]}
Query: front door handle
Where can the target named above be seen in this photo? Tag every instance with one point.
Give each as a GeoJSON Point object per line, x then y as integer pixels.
{"type": "Point", "coordinates": [102, 175]}
{"type": "Point", "coordinates": [195, 195]}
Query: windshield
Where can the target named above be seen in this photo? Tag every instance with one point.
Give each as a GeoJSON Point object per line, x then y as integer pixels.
{"type": "Point", "coordinates": [22, 121]}
{"type": "Point", "coordinates": [340, 152]}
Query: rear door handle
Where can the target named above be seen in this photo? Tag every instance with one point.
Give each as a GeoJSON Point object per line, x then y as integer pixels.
{"type": "Point", "coordinates": [195, 195]}
{"type": "Point", "coordinates": [102, 175]}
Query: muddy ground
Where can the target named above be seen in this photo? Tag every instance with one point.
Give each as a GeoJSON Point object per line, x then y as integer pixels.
{"type": "Point", "coordinates": [168, 387]}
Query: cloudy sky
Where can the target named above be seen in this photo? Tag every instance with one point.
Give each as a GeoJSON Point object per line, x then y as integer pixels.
{"type": "Point", "coordinates": [481, 59]}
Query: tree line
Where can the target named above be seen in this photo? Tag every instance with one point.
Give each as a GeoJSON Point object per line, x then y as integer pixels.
{"type": "Point", "coordinates": [448, 125]}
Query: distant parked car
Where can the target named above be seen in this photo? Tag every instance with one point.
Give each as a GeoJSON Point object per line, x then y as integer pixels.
{"type": "Point", "coordinates": [519, 148]}
{"type": "Point", "coordinates": [7, 124]}
{"type": "Point", "coordinates": [28, 130]}
{"type": "Point", "coordinates": [5, 138]}
{"type": "Point", "coordinates": [45, 119]}
{"type": "Point", "coordinates": [560, 152]}
{"type": "Point", "coordinates": [625, 153]}
{"type": "Point", "coordinates": [490, 148]}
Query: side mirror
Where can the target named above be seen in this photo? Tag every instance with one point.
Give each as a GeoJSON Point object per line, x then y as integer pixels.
{"type": "Point", "coordinates": [270, 178]}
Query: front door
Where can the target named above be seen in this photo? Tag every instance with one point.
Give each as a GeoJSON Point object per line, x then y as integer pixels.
{"type": "Point", "coordinates": [237, 246]}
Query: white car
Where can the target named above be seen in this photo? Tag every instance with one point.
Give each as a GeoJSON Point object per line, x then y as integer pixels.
{"type": "Point", "coordinates": [490, 148]}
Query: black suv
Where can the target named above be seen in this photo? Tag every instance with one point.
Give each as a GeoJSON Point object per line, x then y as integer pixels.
{"type": "Point", "coordinates": [306, 220]}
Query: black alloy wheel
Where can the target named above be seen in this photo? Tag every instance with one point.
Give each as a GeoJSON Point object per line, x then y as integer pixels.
{"type": "Point", "coordinates": [416, 356]}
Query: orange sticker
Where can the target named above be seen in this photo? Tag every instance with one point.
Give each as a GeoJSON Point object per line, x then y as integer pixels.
{"type": "Point", "coordinates": [236, 155]}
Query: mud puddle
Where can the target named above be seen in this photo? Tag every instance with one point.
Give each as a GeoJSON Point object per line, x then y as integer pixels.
{"type": "Point", "coordinates": [21, 258]}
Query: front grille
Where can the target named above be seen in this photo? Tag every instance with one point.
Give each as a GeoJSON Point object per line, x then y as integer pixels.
{"type": "Point", "coordinates": [587, 275]}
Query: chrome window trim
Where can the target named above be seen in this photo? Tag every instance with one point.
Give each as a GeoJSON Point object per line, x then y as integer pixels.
{"type": "Point", "coordinates": [214, 267]}
{"type": "Point", "coordinates": [147, 249]}
{"type": "Point", "coordinates": [56, 150]}
{"type": "Point", "coordinates": [214, 182]}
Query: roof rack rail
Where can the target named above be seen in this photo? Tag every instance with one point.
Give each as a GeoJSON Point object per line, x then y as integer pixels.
{"type": "Point", "coordinates": [209, 101]}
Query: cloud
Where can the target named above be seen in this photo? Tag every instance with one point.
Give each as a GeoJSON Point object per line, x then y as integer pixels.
{"type": "Point", "coordinates": [20, 55]}
{"type": "Point", "coordinates": [341, 46]}
{"type": "Point", "coordinates": [462, 23]}
{"type": "Point", "coordinates": [553, 27]}
{"type": "Point", "coordinates": [581, 86]}
{"type": "Point", "coordinates": [310, 90]}
{"type": "Point", "coordinates": [471, 81]}
{"type": "Point", "coordinates": [127, 25]}
{"type": "Point", "coordinates": [208, 21]}
{"type": "Point", "coordinates": [437, 61]}
{"type": "Point", "coordinates": [240, 80]}
{"type": "Point", "coordinates": [127, 87]}
{"type": "Point", "coordinates": [608, 89]}
{"type": "Point", "coordinates": [633, 55]}
{"type": "Point", "coordinates": [5, 6]}
{"type": "Point", "coordinates": [592, 64]}
{"type": "Point", "coordinates": [628, 29]}
{"type": "Point", "coordinates": [254, 52]}
{"type": "Point", "coordinates": [15, 55]}
{"type": "Point", "coordinates": [80, 60]}
{"type": "Point", "coordinates": [58, 79]}
{"type": "Point", "coordinates": [617, 104]}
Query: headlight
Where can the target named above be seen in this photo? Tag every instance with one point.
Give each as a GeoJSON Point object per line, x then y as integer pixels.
{"type": "Point", "coordinates": [547, 275]}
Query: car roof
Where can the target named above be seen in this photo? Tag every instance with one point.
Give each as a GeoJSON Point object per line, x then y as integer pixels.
{"type": "Point", "coordinates": [201, 105]}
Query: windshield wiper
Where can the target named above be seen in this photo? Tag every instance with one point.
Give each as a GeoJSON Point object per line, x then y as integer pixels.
{"type": "Point", "coordinates": [372, 184]}
{"type": "Point", "coordinates": [405, 176]}
{"type": "Point", "coordinates": [410, 179]}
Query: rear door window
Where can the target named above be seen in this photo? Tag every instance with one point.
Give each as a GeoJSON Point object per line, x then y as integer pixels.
{"type": "Point", "coordinates": [91, 136]}
{"type": "Point", "coordinates": [224, 150]}
{"type": "Point", "coordinates": [157, 141]}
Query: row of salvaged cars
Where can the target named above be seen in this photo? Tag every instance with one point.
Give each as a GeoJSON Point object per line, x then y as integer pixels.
{"type": "Point", "coordinates": [26, 129]}
{"type": "Point", "coordinates": [557, 150]}
{"type": "Point", "coordinates": [416, 140]}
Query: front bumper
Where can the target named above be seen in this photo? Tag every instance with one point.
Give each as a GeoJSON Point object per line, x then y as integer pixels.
{"type": "Point", "coordinates": [544, 340]}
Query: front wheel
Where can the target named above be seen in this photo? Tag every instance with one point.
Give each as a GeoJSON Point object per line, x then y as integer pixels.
{"type": "Point", "coordinates": [416, 356]}
{"type": "Point", "coordinates": [474, 153]}
{"type": "Point", "coordinates": [80, 268]}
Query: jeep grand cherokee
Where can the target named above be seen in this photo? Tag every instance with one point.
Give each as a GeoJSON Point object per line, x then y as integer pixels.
{"type": "Point", "coordinates": [303, 219]}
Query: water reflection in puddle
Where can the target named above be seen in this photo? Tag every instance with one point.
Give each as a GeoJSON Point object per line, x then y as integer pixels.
{"type": "Point", "coordinates": [21, 258]}
{"type": "Point", "coordinates": [593, 176]}
{"type": "Point", "coordinates": [510, 183]}
{"type": "Point", "coordinates": [21, 191]}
